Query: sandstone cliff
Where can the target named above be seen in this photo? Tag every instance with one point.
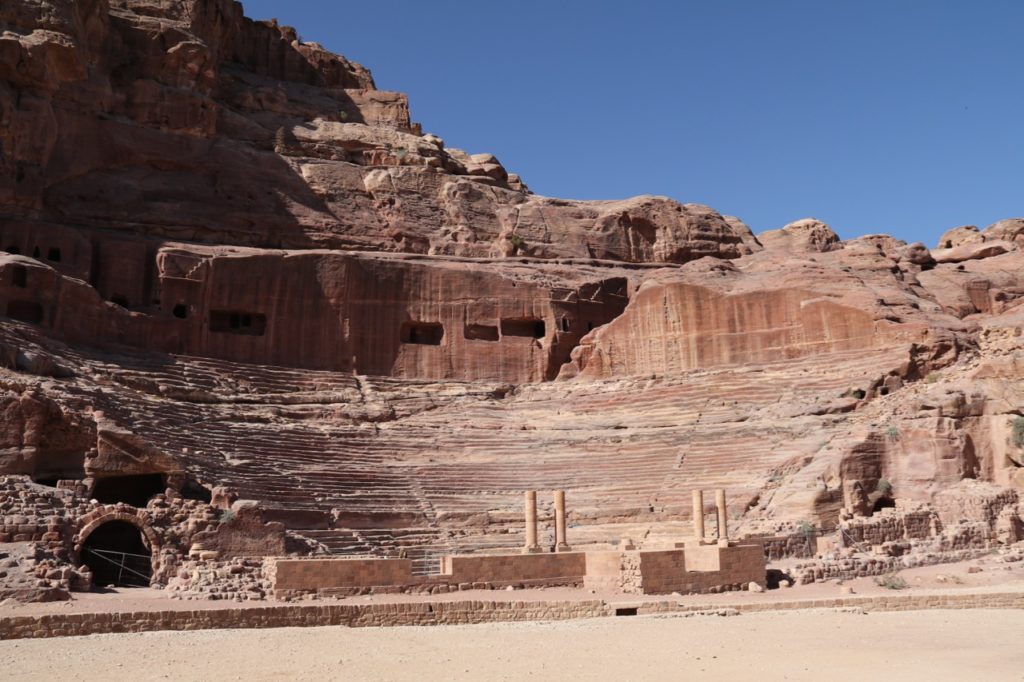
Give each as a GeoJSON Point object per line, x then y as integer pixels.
{"type": "Point", "coordinates": [232, 267]}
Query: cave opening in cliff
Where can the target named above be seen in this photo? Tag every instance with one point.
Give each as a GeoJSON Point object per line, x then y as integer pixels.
{"type": "Point", "coordinates": [180, 311]}
{"type": "Point", "coordinates": [53, 254]}
{"type": "Point", "coordinates": [529, 327]}
{"type": "Point", "coordinates": [25, 311]}
{"type": "Point", "coordinates": [19, 276]}
{"type": "Point", "coordinates": [52, 469]}
{"type": "Point", "coordinates": [117, 555]}
{"type": "Point", "coordinates": [883, 503]}
{"type": "Point", "coordinates": [135, 490]}
{"type": "Point", "coordinates": [481, 332]}
{"type": "Point", "coordinates": [565, 324]}
{"type": "Point", "coordinates": [238, 322]}
{"type": "Point", "coordinates": [193, 490]}
{"type": "Point", "coordinates": [118, 299]}
{"type": "Point", "coordinates": [422, 333]}
{"type": "Point", "coordinates": [13, 250]}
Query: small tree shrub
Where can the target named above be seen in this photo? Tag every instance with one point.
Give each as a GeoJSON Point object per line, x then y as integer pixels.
{"type": "Point", "coordinates": [891, 581]}
{"type": "Point", "coordinates": [1018, 431]}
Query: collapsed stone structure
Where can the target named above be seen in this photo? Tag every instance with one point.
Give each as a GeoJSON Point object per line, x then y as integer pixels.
{"type": "Point", "coordinates": [252, 313]}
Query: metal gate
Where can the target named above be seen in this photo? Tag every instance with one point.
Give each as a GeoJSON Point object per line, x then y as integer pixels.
{"type": "Point", "coordinates": [133, 570]}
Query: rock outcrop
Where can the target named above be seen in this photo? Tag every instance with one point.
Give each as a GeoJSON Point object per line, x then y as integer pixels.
{"type": "Point", "coordinates": [249, 308]}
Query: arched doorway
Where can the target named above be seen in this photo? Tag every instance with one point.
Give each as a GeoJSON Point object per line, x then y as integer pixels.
{"type": "Point", "coordinates": [117, 554]}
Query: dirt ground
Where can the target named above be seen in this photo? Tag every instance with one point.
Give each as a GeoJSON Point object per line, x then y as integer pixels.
{"type": "Point", "coordinates": [795, 645]}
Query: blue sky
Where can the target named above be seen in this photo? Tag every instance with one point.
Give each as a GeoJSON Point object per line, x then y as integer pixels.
{"type": "Point", "coordinates": [895, 116]}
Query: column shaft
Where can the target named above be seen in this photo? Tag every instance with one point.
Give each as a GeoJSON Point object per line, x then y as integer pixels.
{"type": "Point", "coordinates": [560, 542]}
{"type": "Point", "coordinates": [698, 515]}
{"type": "Point", "coordinates": [530, 505]}
{"type": "Point", "coordinates": [723, 517]}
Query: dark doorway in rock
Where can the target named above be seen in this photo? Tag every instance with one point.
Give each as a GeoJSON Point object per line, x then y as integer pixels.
{"type": "Point", "coordinates": [25, 311]}
{"type": "Point", "coordinates": [238, 322]}
{"type": "Point", "coordinates": [117, 555]}
{"type": "Point", "coordinates": [19, 276]}
{"type": "Point", "coordinates": [134, 490]}
{"type": "Point", "coordinates": [422, 333]}
{"type": "Point", "coordinates": [526, 326]}
{"type": "Point", "coordinates": [193, 490]}
{"type": "Point", "coordinates": [883, 503]}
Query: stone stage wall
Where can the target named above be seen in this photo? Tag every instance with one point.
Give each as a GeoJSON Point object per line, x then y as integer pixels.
{"type": "Point", "coordinates": [692, 570]}
{"type": "Point", "coordinates": [450, 613]}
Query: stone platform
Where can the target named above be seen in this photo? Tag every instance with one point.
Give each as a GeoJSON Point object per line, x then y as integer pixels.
{"type": "Point", "coordinates": [457, 610]}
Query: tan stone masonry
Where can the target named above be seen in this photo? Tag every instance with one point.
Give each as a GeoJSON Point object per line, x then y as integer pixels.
{"type": "Point", "coordinates": [450, 613]}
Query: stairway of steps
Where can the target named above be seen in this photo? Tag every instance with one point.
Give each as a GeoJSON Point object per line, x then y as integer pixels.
{"type": "Point", "coordinates": [628, 447]}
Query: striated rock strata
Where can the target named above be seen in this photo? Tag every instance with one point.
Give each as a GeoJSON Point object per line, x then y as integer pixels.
{"type": "Point", "coordinates": [250, 309]}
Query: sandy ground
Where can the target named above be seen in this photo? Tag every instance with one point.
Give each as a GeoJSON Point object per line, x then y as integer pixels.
{"type": "Point", "coordinates": [794, 645]}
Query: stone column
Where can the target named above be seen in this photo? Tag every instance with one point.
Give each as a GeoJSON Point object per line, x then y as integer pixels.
{"type": "Point", "coordinates": [560, 544]}
{"type": "Point", "coordinates": [530, 503]}
{"type": "Point", "coordinates": [698, 516]}
{"type": "Point", "coordinates": [723, 517]}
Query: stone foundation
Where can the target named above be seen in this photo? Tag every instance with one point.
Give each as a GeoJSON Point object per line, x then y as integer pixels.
{"type": "Point", "coordinates": [698, 569]}
{"type": "Point", "coordinates": [448, 613]}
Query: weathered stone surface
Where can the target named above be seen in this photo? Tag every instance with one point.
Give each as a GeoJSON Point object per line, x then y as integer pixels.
{"type": "Point", "coordinates": [806, 235]}
{"type": "Point", "coordinates": [248, 303]}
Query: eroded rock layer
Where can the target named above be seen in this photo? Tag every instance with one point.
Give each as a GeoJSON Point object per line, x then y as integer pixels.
{"type": "Point", "coordinates": [250, 309]}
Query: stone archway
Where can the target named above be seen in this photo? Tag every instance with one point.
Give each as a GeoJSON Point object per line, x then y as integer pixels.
{"type": "Point", "coordinates": [119, 548]}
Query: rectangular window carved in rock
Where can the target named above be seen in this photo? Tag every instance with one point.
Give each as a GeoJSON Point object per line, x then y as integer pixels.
{"type": "Point", "coordinates": [238, 322]}
{"type": "Point", "coordinates": [25, 311]}
{"type": "Point", "coordinates": [481, 332]}
{"type": "Point", "coordinates": [529, 327]}
{"type": "Point", "coordinates": [422, 333]}
{"type": "Point", "coordinates": [19, 276]}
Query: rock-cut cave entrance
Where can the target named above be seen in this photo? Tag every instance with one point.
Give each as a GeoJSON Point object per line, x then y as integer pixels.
{"type": "Point", "coordinates": [117, 555]}
{"type": "Point", "coordinates": [135, 490]}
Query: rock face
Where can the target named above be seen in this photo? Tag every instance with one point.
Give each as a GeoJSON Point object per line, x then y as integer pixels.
{"type": "Point", "coordinates": [249, 309]}
{"type": "Point", "coordinates": [807, 235]}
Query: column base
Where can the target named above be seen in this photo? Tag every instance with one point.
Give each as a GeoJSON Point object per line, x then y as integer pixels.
{"type": "Point", "coordinates": [563, 547]}
{"type": "Point", "coordinates": [532, 550]}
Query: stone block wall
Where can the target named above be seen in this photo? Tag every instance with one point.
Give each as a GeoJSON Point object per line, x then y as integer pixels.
{"type": "Point", "coordinates": [32, 513]}
{"type": "Point", "coordinates": [692, 570]}
{"type": "Point", "coordinates": [525, 569]}
{"type": "Point", "coordinates": [891, 525]}
{"type": "Point", "coordinates": [319, 574]}
{"type": "Point", "coordinates": [604, 570]}
{"type": "Point", "coordinates": [661, 571]}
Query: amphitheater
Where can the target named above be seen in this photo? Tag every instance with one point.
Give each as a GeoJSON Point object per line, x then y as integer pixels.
{"type": "Point", "coordinates": [272, 356]}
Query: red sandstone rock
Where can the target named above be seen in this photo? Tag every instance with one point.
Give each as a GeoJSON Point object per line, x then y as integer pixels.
{"type": "Point", "coordinates": [231, 268]}
{"type": "Point", "coordinates": [802, 235]}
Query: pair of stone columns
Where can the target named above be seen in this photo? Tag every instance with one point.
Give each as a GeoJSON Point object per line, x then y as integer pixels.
{"type": "Point", "coordinates": [698, 516]}
{"type": "Point", "coordinates": [530, 505]}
